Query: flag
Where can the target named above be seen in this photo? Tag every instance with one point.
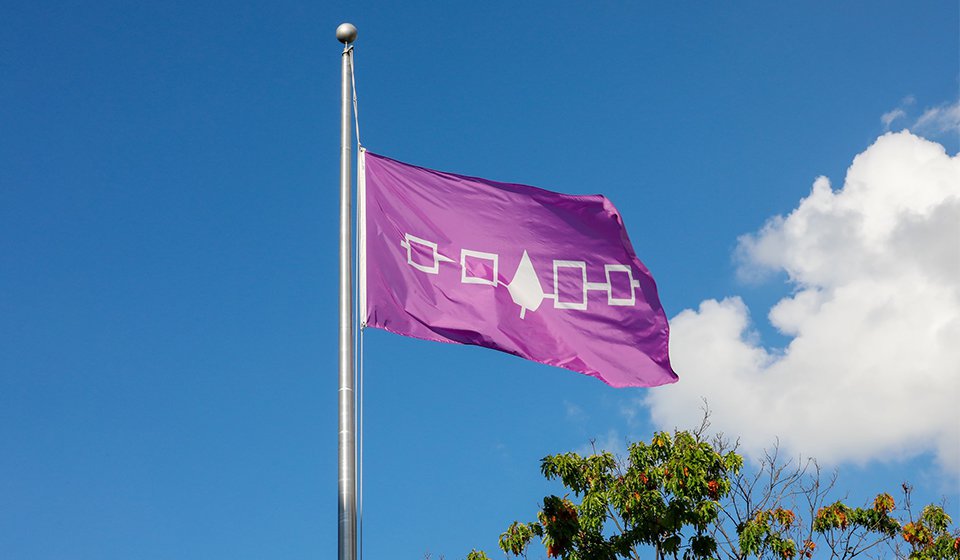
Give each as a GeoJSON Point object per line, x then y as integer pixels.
{"type": "Point", "coordinates": [545, 276]}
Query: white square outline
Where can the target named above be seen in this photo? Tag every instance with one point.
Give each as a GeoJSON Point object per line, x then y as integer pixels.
{"type": "Point", "coordinates": [624, 302]}
{"type": "Point", "coordinates": [582, 265]}
{"type": "Point", "coordinates": [435, 269]}
{"type": "Point", "coordinates": [464, 253]}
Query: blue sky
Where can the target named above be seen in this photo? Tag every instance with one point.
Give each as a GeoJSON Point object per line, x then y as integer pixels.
{"type": "Point", "coordinates": [168, 238]}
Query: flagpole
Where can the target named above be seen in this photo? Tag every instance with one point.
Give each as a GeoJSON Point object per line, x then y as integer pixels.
{"type": "Point", "coordinates": [347, 516]}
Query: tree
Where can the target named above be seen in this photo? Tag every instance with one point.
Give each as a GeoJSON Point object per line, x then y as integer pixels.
{"type": "Point", "coordinates": [686, 496]}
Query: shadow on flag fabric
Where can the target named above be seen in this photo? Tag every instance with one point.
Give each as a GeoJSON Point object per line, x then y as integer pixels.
{"type": "Point", "coordinates": [545, 276]}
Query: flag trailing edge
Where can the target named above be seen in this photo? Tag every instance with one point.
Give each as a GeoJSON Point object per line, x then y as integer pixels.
{"type": "Point", "coordinates": [546, 276]}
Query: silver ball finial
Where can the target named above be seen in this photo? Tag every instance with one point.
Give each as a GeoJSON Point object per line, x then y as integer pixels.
{"type": "Point", "coordinates": [346, 33]}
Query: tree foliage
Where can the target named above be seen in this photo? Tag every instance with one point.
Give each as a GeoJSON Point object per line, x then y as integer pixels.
{"type": "Point", "coordinates": [664, 496]}
{"type": "Point", "coordinates": [681, 495]}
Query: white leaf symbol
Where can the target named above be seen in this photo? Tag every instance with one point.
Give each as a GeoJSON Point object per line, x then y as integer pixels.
{"type": "Point", "coordinates": [525, 287]}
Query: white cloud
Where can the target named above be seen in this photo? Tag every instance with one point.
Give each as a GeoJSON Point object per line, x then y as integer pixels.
{"type": "Point", "coordinates": [898, 113]}
{"type": "Point", "coordinates": [574, 413]}
{"type": "Point", "coordinates": [932, 123]}
{"type": "Point", "coordinates": [872, 369]}
{"type": "Point", "coordinates": [890, 116]}
{"type": "Point", "coordinates": [938, 120]}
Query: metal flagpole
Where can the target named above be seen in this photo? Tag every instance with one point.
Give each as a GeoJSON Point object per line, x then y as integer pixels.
{"type": "Point", "coordinates": [347, 536]}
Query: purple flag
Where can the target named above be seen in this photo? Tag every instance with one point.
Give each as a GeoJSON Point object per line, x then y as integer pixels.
{"type": "Point", "coordinates": [545, 276]}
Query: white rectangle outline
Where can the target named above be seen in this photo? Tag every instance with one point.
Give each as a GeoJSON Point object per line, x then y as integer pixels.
{"type": "Point", "coordinates": [623, 302]}
{"type": "Point", "coordinates": [464, 253]}
{"type": "Point", "coordinates": [582, 265]}
{"type": "Point", "coordinates": [407, 238]}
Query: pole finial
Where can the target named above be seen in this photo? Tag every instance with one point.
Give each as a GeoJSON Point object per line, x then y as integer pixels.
{"type": "Point", "coordinates": [346, 33]}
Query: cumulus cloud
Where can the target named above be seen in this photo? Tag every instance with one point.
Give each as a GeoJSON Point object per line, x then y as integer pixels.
{"type": "Point", "coordinates": [872, 368]}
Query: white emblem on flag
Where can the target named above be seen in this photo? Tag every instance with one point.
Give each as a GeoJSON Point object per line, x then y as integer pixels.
{"type": "Point", "coordinates": [557, 301]}
{"type": "Point", "coordinates": [416, 246]}
{"type": "Point", "coordinates": [467, 272]}
{"type": "Point", "coordinates": [479, 267]}
{"type": "Point", "coordinates": [525, 287]}
{"type": "Point", "coordinates": [611, 269]}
